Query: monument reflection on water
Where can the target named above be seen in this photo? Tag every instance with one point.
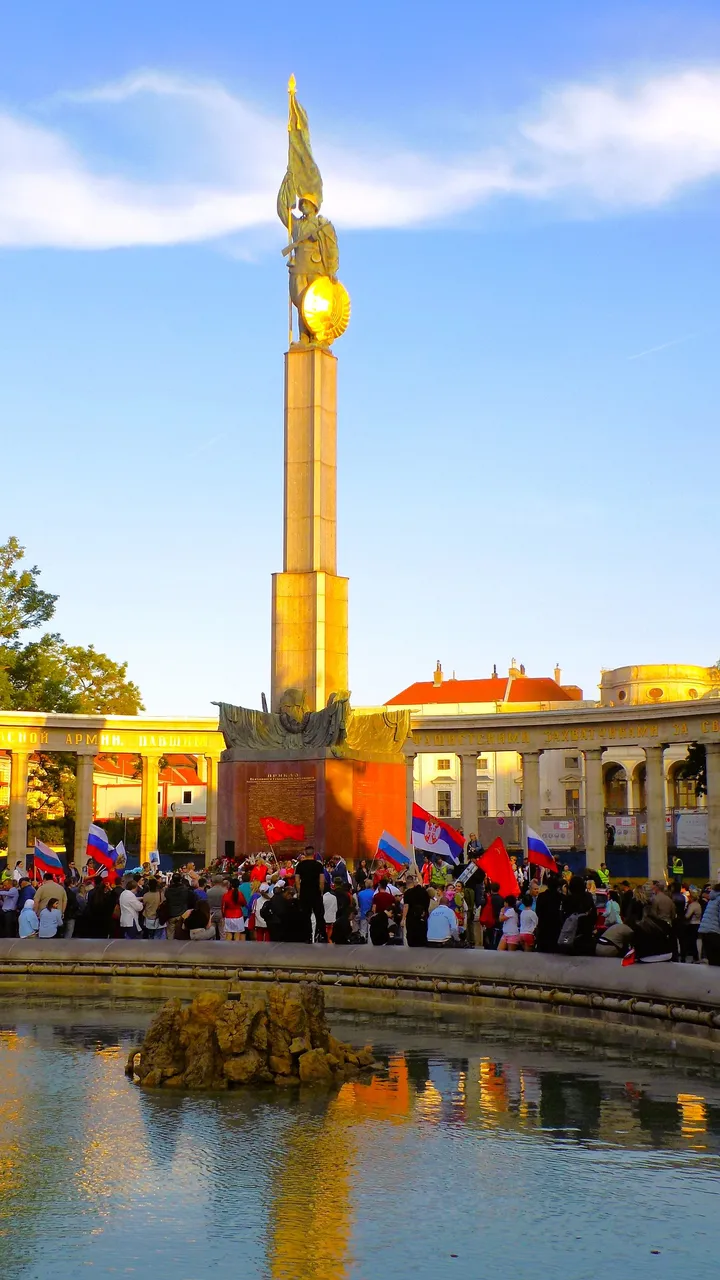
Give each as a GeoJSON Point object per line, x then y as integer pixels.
{"type": "Point", "coordinates": [384, 1176]}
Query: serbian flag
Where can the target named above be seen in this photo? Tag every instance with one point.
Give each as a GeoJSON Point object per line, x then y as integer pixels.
{"type": "Point", "coordinates": [435, 835]}
{"type": "Point", "coordinates": [276, 830]}
{"type": "Point", "coordinates": [98, 848]}
{"type": "Point", "coordinates": [498, 868]}
{"type": "Point", "coordinates": [538, 853]}
{"type": "Point", "coordinates": [393, 851]}
{"type": "Point", "coordinates": [47, 862]}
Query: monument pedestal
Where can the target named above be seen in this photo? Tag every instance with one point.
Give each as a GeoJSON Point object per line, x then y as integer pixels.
{"type": "Point", "coordinates": [343, 804]}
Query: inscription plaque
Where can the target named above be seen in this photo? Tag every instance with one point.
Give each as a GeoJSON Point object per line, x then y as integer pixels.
{"type": "Point", "coordinates": [288, 796]}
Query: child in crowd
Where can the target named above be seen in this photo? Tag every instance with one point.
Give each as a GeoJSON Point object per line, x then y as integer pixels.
{"type": "Point", "coordinates": [509, 922]}
{"type": "Point", "coordinates": [528, 924]}
{"type": "Point", "coordinates": [330, 906]}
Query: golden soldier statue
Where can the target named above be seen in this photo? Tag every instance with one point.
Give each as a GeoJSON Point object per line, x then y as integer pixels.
{"type": "Point", "coordinates": [322, 303]}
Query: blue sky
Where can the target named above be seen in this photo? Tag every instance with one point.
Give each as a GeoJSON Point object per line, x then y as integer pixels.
{"type": "Point", "coordinates": [527, 200]}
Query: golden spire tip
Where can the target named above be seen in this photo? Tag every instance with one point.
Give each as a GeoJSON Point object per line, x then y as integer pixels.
{"type": "Point", "coordinates": [292, 84]}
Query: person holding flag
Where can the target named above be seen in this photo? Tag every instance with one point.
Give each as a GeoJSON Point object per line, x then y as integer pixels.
{"type": "Point", "coordinates": [393, 851]}
{"type": "Point", "coordinates": [47, 862]}
{"type": "Point", "coordinates": [538, 854]}
{"type": "Point", "coordinates": [436, 836]}
{"type": "Point", "coordinates": [98, 849]}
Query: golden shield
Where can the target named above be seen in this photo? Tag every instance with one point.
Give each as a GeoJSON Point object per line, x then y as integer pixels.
{"type": "Point", "coordinates": [325, 308]}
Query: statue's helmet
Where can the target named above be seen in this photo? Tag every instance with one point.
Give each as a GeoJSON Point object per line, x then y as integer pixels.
{"type": "Point", "coordinates": [294, 705]}
{"type": "Point", "coordinates": [311, 199]}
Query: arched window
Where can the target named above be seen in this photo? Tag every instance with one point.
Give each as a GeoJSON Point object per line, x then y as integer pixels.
{"type": "Point", "coordinates": [683, 791]}
{"type": "Point", "coordinates": [616, 789]}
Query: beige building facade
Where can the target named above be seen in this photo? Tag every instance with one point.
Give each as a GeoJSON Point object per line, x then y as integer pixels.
{"type": "Point", "coordinates": [570, 766]}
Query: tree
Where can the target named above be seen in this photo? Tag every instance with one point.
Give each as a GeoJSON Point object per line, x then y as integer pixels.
{"type": "Point", "coordinates": [99, 683]}
{"type": "Point", "coordinates": [694, 767]}
{"type": "Point", "coordinates": [23, 605]}
{"type": "Point", "coordinates": [45, 674]}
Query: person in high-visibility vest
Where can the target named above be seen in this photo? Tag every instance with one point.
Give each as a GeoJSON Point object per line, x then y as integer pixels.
{"type": "Point", "coordinates": [439, 876]}
{"type": "Point", "coordinates": [604, 874]}
{"type": "Point", "coordinates": [678, 867]}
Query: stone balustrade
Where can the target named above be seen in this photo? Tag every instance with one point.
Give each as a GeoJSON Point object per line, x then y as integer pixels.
{"type": "Point", "coordinates": [671, 1006]}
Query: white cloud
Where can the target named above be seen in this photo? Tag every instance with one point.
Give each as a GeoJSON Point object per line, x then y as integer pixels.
{"type": "Point", "coordinates": [217, 161]}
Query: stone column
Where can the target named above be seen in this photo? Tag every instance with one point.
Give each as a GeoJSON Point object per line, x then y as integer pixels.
{"type": "Point", "coordinates": [211, 809]}
{"type": "Point", "coordinates": [17, 813]}
{"type": "Point", "coordinates": [83, 806]}
{"type": "Point", "coordinates": [409, 794]}
{"type": "Point", "coordinates": [468, 793]}
{"type": "Point", "coordinates": [712, 755]}
{"type": "Point", "coordinates": [148, 807]}
{"type": "Point", "coordinates": [531, 789]}
{"type": "Point", "coordinates": [656, 805]}
{"type": "Point", "coordinates": [310, 602]}
{"type": "Point", "coordinates": [594, 808]}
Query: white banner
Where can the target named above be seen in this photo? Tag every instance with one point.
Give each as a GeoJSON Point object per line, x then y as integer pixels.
{"type": "Point", "coordinates": [558, 835]}
{"type": "Point", "coordinates": [625, 825]}
{"type": "Point", "coordinates": [691, 830]}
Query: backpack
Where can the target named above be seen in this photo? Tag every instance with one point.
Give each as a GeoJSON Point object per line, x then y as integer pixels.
{"type": "Point", "coordinates": [568, 934]}
{"type": "Point", "coordinates": [260, 906]}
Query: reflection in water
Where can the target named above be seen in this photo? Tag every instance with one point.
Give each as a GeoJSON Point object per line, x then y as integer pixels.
{"type": "Point", "coordinates": [94, 1172]}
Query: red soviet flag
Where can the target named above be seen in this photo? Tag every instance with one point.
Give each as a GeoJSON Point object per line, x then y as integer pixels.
{"type": "Point", "coordinates": [276, 830]}
{"type": "Point", "coordinates": [498, 868]}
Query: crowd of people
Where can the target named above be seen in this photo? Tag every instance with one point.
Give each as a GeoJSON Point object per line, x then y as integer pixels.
{"type": "Point", "coordinates": [321, 900]}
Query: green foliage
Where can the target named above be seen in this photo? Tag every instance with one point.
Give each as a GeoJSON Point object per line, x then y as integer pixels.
{"type": "Point", "coordinates": [163, 763]}
{"type": "Point", "coordinates": [52, 833]}
{"type": "Point", "coordinates": [128, 831]}
{"type": "Point", "coordinates": [117, 829]}
{"type": "Point", "coordinates": [694, 767]}
{"type": "Point", "coordinates": [165, 837]}
{"type": "Point", "coordinates": [46, 674]}
{"type": "Point", "coordinates": [23, 605]}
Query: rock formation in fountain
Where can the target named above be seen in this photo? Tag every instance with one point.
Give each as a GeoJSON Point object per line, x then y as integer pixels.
{"type": "Point", "coordinates": [279, 1037]}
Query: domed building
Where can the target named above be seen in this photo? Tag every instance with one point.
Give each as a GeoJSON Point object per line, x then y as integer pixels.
{"type": "Point", "coordinates": [657, 683]}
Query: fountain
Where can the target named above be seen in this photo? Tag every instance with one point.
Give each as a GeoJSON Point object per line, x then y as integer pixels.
{"type": "Point", "coordinates": [280, 1037]}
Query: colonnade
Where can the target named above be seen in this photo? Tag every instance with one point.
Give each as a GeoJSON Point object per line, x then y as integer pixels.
{"type": "Point", "coordinates": [149, 817]}
{"type": "Point", "coordinates": [594, 801]}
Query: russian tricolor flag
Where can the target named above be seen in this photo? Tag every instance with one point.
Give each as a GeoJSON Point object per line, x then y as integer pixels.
{"type": "Point", "coordinates": [434, 835]}
{"type": "Point", "coordinates": [393, 851]}
{"type": "Point", "coordinates": [538, 853]}
{"type": "Point", "coordinates": [47, 862]}
{"type": "Point", "coordinates": [98, 848]}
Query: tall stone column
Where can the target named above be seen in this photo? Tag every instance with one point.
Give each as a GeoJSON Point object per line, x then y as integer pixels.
{"type": "Point", "coordinates": [211, 809]}
{"type": "Point", "coordinates": [409, 794]}
{"type": "Point", "coordinates": [17, 813]}
{"type": "Point", "coordinates": [531, 789]}
{"type": "Point", "coordinates": [148, 807]}
{"type": "Point", "coordinates": [712, 755]}
{"type": "Point", "coordinates": [83, 806]}
{"type": "Point", "coordinates": [468, 793]}
{"type": "Point", "coordinates": [310, 601]}
{"type": "Point", "coordinates": [656, 807]}
{"type": "Point", "coordinates": [594, 808]}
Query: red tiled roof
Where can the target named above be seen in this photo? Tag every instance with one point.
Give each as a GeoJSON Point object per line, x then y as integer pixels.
{"type": "Point", "coordinates": [528, 689]}
{"type": "Point", "coordinates": [496, 689]}
{"type": "Point", "coordinates": [492, 690]}
{"type": "Point", "coordinates": [181, 770]}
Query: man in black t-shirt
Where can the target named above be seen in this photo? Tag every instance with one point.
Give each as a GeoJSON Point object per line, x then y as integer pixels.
{"type": "Point", "coordinates": [310, 885]}
{"type": "Point", "coordinates": [416, 901]}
